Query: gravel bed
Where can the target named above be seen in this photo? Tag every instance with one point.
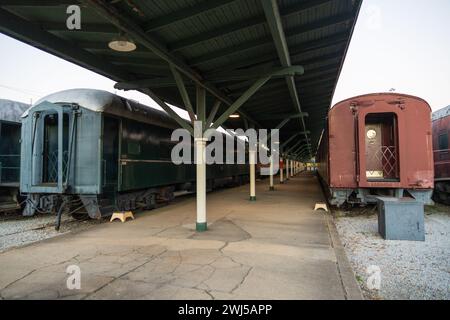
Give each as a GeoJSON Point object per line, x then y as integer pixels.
{"type": "Point", "coordinates": [409, 269]}
{"type": "Point", "coordinates": [16, 230]}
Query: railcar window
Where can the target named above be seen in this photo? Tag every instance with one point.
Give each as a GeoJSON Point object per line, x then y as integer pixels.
{"type": "Point", "coordinates": [51, 149]}
{"type": "Point", "coordinates": [165, 149]}
{"type": "Point", "coordinates": [134, 148]}
{"type": "Point", "coordinates": [9, 152]}
{"type": "Point", "coordinates": [443, 141]}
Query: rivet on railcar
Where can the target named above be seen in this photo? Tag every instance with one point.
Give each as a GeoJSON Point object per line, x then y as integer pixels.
{"type": "Point", "coordinates": [377, 145]}
{"type": "Point", "coordinates": [90, 152]}
{"type": "Point", "coordinates": [10, 112]}
{"type": "Point", "coordinates": [441, 132]}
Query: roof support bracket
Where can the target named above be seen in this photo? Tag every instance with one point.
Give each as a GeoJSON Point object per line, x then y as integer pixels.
{"type": "Point", "coordinates": [274, 21]}
{"type": "Point", "coordinates": [183, 123]}
{"type": "Point", "coordinates": [303, 148]}
{"type": "Point", "coordinates": [295, 145]}
{"type": "Point", "coordinates": [278, 127]}
{"type": "Point", "coordinates": [183, 92]}
{"type": "Point", "coordinates": [284, 144]}
{"type": "Point", "coordinates": [291, 71]}
{"type": "Point", "coordinates": [212, 114]}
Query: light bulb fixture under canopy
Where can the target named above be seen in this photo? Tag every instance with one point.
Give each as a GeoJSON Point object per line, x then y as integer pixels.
{"type": "Point", "coordinates": [234, 115]}
{"type": "Point", "coordinates": [122, 43]}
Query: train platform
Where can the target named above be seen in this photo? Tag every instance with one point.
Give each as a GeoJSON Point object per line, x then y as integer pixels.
{"type": "Point", "coordinates": [276, 247]}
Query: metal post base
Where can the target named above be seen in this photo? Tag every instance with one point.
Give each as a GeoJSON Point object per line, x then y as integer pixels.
{"type": "Point", "coordinates": [252, 198]}
{"type": "Point", "coordinates": [201, 226]}
{"type": "Point", "coordinates": [271, 188]}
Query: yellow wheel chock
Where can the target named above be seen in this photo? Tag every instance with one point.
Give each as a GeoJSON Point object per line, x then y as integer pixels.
{"type": "Point", "coordinates": [122, 216]}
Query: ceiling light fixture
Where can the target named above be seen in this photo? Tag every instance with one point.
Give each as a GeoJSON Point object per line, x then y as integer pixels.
{"type": "Point", "coordinates": [235, 115]}
{"type": "Point", "coordinates": [122, 43]}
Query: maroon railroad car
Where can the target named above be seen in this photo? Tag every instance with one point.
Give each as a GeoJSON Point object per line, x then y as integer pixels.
{"type": "Point", "coordinates": [377, 144]}
{"type": "Point", "coordinates": [441, 132]}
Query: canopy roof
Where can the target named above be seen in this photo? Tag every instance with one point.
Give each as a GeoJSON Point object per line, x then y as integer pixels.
{"type": "Point", "coordinates": [221, 45]}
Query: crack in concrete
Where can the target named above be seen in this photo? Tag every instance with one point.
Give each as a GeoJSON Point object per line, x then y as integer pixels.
{"type": "Point", "coordinates": [122, 275]}
{"type": "Point", "coordinates": [34, 270]}
{"type": "Point", "coordinates": [17, 280]}
{"type": "Point", "coordinates": [165, 229]}
{"type": "Point", "coordinates": [209, 294]}
{"type": "Point", "coordinates": [242, 281]}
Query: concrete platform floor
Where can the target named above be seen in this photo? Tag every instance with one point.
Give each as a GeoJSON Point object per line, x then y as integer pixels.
{"type": "Point", "coordinates": [274, 248]}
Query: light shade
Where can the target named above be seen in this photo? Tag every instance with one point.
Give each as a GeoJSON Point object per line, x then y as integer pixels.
{"type": "Point", "coordinates": [122, 44]}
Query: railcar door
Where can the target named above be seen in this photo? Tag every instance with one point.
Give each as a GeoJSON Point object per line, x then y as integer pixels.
{"type": "Point", "coordinates": [381, 147]}
{"type": "Point", "coordinates": [52, 134]}
{"type": "Point", "coordinates": [50, 147]}
{"type": "Point", "coordinates": [110, 154]}
{"type": "Point", "coordinates": [374, 165]}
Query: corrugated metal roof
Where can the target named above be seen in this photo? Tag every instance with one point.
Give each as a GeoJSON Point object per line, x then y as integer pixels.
{"type": "Point", "coordinates": [214, 38]}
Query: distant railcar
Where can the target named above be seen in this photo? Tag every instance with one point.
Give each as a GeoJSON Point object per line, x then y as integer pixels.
{"type": "Point", "coordinates": [377, 144]}
{"type": "Point", "coordinates": [441, 132]}
{"type": "Point", "coordinates": [91, 152]}
{"type": "Point", "coordinates": [10, 112]}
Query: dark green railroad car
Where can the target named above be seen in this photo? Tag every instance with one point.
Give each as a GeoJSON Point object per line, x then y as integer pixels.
{"type": "Point", "coordinates": [10, 112]}
{"type": "Point", "coordinates": [92, 152]}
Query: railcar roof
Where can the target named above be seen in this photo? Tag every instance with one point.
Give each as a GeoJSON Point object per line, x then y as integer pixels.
{"type": "Point", "coordinates": [222, 45]}
{"type": "Point", "coordinates": [107, 102]}
{"type": "Point", "coordinates": [12, 110]}
{"type": "Point", "coordinates": [441, 113]}
{"type": "Point", "coordinates": [380, 96]}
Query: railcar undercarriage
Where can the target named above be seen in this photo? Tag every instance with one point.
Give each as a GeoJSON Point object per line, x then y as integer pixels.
{"type": "Point", "coordinates": [362, 197]}
{"type": "Point", "coordinates": [83, 206]}
{"type": "Point", "coordinates": [9, 199]}
{"type": "Point", "coordinates": [442, 192]}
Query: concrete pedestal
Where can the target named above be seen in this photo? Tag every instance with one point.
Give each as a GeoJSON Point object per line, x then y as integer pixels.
{"type": "Point", "coordinates": [400, 219]}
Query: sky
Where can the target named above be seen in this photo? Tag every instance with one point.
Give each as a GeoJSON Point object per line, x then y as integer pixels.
{"type": "Point", "coordinates": [401, 45]}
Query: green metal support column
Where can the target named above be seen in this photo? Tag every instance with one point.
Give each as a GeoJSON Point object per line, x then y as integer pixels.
{"type": "Point", "coordinates": [252, 160]}
{"type": "Point", "coordinates": [281, 170]}
{"type": "Point", "coordinates": [287, 168]}
{"type": "Point", "coordinates": [271, 171]}
{"type": "Point", "coordinates": [201, 106]}
{"type": "Point", "coordinates": [200, 144]}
